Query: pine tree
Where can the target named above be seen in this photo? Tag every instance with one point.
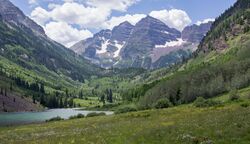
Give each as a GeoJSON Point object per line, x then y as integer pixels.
{"type": "Point", "coordinates": [34, 99]}
{"type": "Point", "coordinates": [61, 102]}
{"type": "Point", "coordinates": [11, 87]}
{"type": "Point", "coordinates": [42, 90]}
{"type": "Point", "coordinates": [81, 94]}
{"type": "Point", "coordinates": [65, 104]}
{"type": "Point", "coordinates": [5, 92]}
{"type": "Point", "coordinates": [1, 92]}
{"type": "Point", "coordinates": [110, 96]}
{"type": "Point", "coordinates": [103, 99]}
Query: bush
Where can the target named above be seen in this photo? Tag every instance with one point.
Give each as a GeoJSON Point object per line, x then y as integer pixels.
{"type": "Point", "coordinates": [201, 102]}
{"type": "Point", "coordinates": [111, 105]}
{"type": "Point", "coordinates": [233, 96]}
{"type": "Point", "coordinates": [245, 105]}
{"type": "Point", "coordinates": [162, 103]}
{"type": "Point", "coordinates": [55, 119]}
{"type": "Point", "coordinates": [77, 116]}
{"type": "Point", "coordinates": [125, 109]}
{"type": "Point", "coordinates": [248, 95]}
{"type": "Point", "coordinates": [94, 114]}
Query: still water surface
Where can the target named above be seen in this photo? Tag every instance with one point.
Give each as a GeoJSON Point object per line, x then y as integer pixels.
{"type": "Point", "coordinates": [18, 118]}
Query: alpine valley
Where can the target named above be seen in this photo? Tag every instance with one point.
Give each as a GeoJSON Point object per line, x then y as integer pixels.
{"type": "Point", "coordinates": [146, 83]}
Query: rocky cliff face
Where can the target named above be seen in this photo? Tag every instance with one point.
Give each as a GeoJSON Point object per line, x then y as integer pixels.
{"type": "Point", "coordinates": [148, 33]}
{"type": "Point", "coordinates": [122, 32]}
{"type": "Point", "coordinates": [149, 44]}
{"type": "Point", "coordinates": [104, 47]}
{"type": "Point", "coordinates": [14, 15]}
{"type": "Point", "coordinates": [195, 33]}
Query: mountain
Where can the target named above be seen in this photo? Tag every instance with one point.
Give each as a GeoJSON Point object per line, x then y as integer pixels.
{"type": "Point", "coordinates": [150, 44]}
{"type": "Point", "coordinates": [104, 47]}
{"type": "Point", "coordinates": [12, 14]}
{"type": "Point", "coordinates": [220, 65]}
{"type": "Point", "coordinates": [232, 23]}
{"type": "Point", "coordinates": [195, 33]}
{"type": "Point", "coordinates": [26, 52]}
{"type": "Point", "coordinates": [152, 32]}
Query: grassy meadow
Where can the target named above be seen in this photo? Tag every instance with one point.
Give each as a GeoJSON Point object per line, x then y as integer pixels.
{"type": "Point", "coordinates": [185, 124]}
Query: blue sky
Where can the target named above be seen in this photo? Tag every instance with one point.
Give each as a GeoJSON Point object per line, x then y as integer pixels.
{"type": "Point", "coordinates": [68, 21]}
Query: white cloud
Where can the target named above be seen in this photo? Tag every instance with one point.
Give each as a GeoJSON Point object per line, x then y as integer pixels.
{"type": "Point", "coordinates": [205, 21]}
{"type": "Point", "coordinates": [114, 21]}
{"type": "Point", "coordinates": [66, 34]}
{"type": "Point", "coordinates": [75, 13]}
{"type": "Point", "coordinates": [40, 15]}
{"type": "Point", "coordinates": [68, 0]}
{"type": "Point", "coordinates": [119, 5]}
{"type": "Point", "coordinates": [58, 19]}
{"type": "Point", "coordinates": [32, 2]}
{"type": "Point", "coordinates": [51, 6]}
{"type": "Point", "coordinates": [174, 18]}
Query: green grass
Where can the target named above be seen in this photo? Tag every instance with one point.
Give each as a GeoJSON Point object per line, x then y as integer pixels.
{"type": "Point", "coordinates": [243, 93]}
{"type": "Point", "coordinates": [89, 102]}
{"type": "Point", "coordinates": [184, 124]}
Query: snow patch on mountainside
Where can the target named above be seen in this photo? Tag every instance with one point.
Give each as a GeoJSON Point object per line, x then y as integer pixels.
{"type": "Point", "coordinates": [179, 42]}
{"type": "Point", "coordinates": [103, 47]}
{"type": "Point", "coordinates": [119, 46]}
{"type": "Point", "coordinates": [166, 32]}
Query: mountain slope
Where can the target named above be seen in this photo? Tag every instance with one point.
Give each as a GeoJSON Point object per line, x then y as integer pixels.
{"type": "Point", "coordinates": [150, 44]}
{"type": "Point", "coordinates": [12, 14]}
{"type": "Point", "coordinates": [195, 33]}
{"type": "Point", "coordinates": [234, 22]}
{"type": "Point", "coordinates": [29, 56]}
{"type": "Point", "coordinates": [105, 46]}
{"type": "Point", "coordinates": [152, 32]}
{"type": "Point", "coordinates": [219, 68]}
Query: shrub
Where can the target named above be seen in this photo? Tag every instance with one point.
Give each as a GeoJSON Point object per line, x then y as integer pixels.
{"type": "Point", "coordinates": [94, 114]}
{"type": "Point", "coordinates": [201, 102]}
{"type": "Point", "coordinates": [233, 96]}
{"type": "Point", "coordinates": [111, 105]}
{"type": "Point", "coordinates": [125, 109]}
{"type": "Point", "coordinates": [248, 95]}
{"type": "Point", "coordinates": [245, 105]}
{"type": "Point", "coordinates": [55, 119]}
{"type": "Point", "coordinates": [162, 103]}
{"type": "Point", "coordinates": [77, 116]}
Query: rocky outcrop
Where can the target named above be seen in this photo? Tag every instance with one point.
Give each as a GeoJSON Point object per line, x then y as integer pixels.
{"type": "Point", "coordinates": [195, 33]}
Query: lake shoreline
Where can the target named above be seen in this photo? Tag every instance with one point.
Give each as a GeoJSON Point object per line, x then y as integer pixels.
{"type": "Point", "coordinates": [23, 118]}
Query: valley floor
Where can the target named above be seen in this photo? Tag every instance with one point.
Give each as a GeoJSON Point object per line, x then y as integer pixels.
{"type": "Point", "coordinates": [227, 124]}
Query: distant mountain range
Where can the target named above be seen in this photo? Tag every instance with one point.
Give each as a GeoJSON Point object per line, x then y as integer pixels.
{"type": "Point", "coordinates": [149, 44]}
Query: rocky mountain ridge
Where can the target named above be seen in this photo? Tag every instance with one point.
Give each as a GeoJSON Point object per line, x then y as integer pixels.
{"type": "Point", "coordinates": [149, 44]}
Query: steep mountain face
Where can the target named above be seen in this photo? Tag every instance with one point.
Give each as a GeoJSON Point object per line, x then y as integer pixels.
{"type": "Point", "coordinates": [233, 22]}
{"type": "Point", "coordinates": [104, 47]}
{"type": "Point", "coordinates": [27, 52]}
{"type": "Point", "coordinates": [195, 33]}
{"type": "Point", "coordinates": [149, 44]}
{"type": "Point", "coordinates": [146, 34]}
{"type": "Point", "coordinates": [12, 14]}
{"type": "Point", "coordinates": [122, 32]}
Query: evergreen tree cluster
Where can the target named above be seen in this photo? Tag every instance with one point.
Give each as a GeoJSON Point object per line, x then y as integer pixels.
{"type": "Point", "coordinates": [184, 87]}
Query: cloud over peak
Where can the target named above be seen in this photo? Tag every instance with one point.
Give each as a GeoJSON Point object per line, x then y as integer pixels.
{"type": "Point", "coordinates": [77, 17]}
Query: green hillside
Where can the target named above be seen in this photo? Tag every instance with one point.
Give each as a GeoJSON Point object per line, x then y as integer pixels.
{"type": "Point", "coordinates": [213, 70]}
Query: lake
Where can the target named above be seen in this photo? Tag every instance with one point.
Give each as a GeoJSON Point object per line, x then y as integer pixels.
{"type": "Point", "coordinates": [18, 118]}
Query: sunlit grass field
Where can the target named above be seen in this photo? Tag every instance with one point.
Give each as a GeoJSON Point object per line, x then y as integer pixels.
{"type": "Point", "coordinates": [226, 124]}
